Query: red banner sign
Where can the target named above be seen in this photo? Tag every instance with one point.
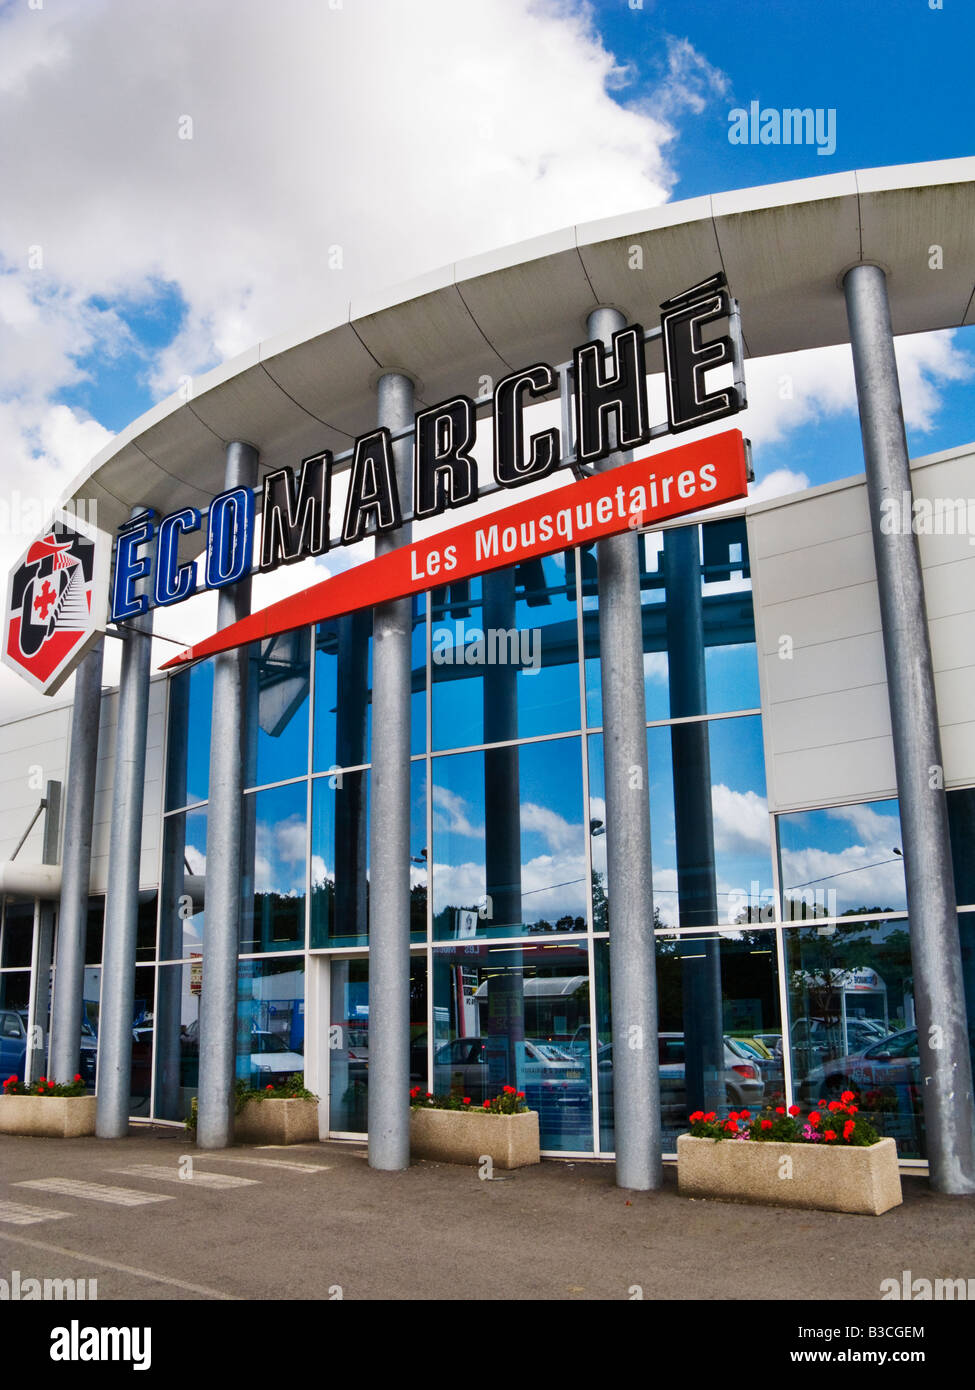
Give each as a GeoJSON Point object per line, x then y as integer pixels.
{"type": "Point", "coordinates": [633, 496]}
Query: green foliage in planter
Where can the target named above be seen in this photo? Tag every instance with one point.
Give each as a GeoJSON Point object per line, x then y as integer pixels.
{"type": "Point", "coordinates": [43, 1087]}
{"type": "Point", "coordinates": [836, 1124]}
{"type": "Point", "coordinates": [508, 1102]}
{"type": "Point", "coordinates": [293, 1089]}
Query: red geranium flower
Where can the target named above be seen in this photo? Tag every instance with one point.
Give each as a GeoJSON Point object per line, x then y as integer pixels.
{"type": "Point", "coordinates": [780, 1110]}
{"type": "Point", "coordinates": [487, 1105]}
{"type": "Point", "coordinates": [698, 1115]}
{"type": "Point", "coordinates": [77, 1076]}
{"type": "Point", "coordinates": [848, 1129]}
{"type": "Point", "coordinates": [467, 1100]}
{"type": "Point", "coordinates": [829, 1134]}
{"type": "Point", "coordinates": [508, 1090]}
{"type": "Point", "coordinates": [814, 1117]}
{"type": "Point", "coordinates": [269, 1088]}
{"type": "Point", "coordinates": [746, 1114]}
{"type": "Point", "coordinates": [766, 1124]}
{"type": "Point", "coordinates": [793, 1110]}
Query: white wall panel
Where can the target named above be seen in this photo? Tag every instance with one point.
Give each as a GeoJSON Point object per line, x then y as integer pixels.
{"type": "Point", "coordinates": [827, 721]}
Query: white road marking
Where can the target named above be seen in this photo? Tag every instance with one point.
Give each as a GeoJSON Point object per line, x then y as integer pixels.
{"type": "Point", "coordinates": [14, 1214]}
{"type": "Point", "coordinates": [268, 1163]}
{"type": "Point", "coordinates": [122, 1269]}
{"type": "Point", "coordinates": [94, 1191]}
{"type": "Point", "coordinates": [198, 1179]}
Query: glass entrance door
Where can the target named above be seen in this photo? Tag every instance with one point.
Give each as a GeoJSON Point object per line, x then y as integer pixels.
{"type": "Point", "coordinates": [348, 1052]}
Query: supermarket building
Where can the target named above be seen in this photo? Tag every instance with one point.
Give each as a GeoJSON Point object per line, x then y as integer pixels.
{"type": "Point", "coordinates": [709, 778]}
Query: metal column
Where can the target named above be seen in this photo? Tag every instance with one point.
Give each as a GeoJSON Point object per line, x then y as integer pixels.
{"type": "Point", "coordinates": [69, 973]}
{"type": "Point", "coordinates": [633, 982]}
{"type": "Point", "coordinates": [389, 824]}
{"type": "Point", "coordinates": [35, 1062]}
{"type": "Point", "coordinates": [122, 899]}
{"type": "Point", "coordinates": [935, 951]}
{"type": "Point", "coordinates": [224, 867]}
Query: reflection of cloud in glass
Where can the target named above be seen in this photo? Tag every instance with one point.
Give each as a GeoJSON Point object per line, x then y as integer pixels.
{"type": "Point", "coordinates": [450, 814]}
{"type": "Point", "coordinates": [279, 860]}
{"type": "Point", "coordinates": [740, 821]}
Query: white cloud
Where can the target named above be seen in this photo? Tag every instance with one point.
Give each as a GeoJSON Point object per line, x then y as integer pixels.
{"type": "Point", "coordinates": [740, 821]}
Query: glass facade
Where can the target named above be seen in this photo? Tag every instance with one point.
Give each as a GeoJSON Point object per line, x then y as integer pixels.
{"type": "Point", "coordinates": [782, 944]}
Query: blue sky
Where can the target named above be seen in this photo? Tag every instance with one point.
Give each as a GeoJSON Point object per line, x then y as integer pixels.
{"type": "Point", "coordinates": [163, 256]}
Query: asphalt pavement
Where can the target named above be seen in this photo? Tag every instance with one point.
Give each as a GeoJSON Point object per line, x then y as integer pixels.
{"type": "Point", "coordinates": [152, 1218]}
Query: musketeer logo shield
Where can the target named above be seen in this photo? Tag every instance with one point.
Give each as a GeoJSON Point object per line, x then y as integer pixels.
{"type": "Point", "coordinates": [56, 604]}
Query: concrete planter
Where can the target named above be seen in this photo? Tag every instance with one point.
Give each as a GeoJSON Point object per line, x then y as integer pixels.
{"type": "Point", "coordinates": [277, 1122]}
{"type": "Point", "coordinates": [466, 1136]}
{"type": "Point", "coordinates": [58, 1117]}
{"type": "Point", "coordinates": [827, 1178]}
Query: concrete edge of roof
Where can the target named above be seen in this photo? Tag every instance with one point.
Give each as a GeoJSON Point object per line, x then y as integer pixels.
{"type": "Point", "coordinates": [849, 183]}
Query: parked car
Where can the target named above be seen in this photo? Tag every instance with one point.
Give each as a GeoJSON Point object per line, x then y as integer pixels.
{"type": "Point", "coordinates": [550, 1075]}
{"type": "Point", "coordinates": [893, 1061]}
{"type": "Point", "coordinates": [13, 1044]}
{"type": "Point", "coordinates": [272, 1060]}
{"type": "Point", "coordinates": [742, 1077]}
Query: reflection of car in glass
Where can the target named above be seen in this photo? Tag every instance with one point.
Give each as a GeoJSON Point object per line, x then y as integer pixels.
{"type": "Point", "coordinates": [893, 1061]}
{"type": "Point", "coordinates": [549, 1074]}
{"type": "Point", "coordinates": [272, 1060]}
{"type": "Point", "coordinates": [13, 1044]}
{"type": "Point", "coordinates": [742, 1077]}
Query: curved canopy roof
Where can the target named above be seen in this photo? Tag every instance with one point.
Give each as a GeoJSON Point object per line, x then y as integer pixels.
{"type": "Point", "coordinates": [783, 248]}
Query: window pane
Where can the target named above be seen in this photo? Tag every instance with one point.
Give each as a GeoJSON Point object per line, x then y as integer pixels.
{"type": "Point", "coordinates": [277, 707]}
{"type": "Point", "coordinates": [709, 826]}
{"type": "Point", "coordinates": [719, 1045]}
{"type": "Point", "coordinates": [143, 1032]}
{"type": "Point", "coordinates": [851, 1015]}
{"type": "Point", "coordinates": [18, 933]}
{"type": "Point", "coordinates": [183, 917]}
{"type": "Point", "coordinates": [340, 860]}
{"type": "Point", "coordinates": [177, 1031]}
{"type": "Point", "coordinates": [505, 655]}
{"type": "Point", "coordinates": [14, 1002]}
{"type": "Point", "coordinates": [343, 688]}
{"type": "Point", "coordinates": [509, 851]}
{"type": "Point", "coordinates": [270, 1020]}
{"type": "Point", "coordinates": [846, 860]}
{"type": "Point", "coordinates": [188, 755]}
{"type": "Point", "coordinates": [274, 861]}
{"type": "Point", "coordinates": [698, 624]}
{"type": "Point", "coordinates": [517, 1017]}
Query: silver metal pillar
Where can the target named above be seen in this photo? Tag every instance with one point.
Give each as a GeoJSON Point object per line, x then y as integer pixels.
{"type": "Point", "coordinates": [218, 996]}
{"type": "Point", "coordinates": [122, 898]}
{"type": "Point", "coordinates": [633, 981]}
{"type": "Point", "coordinates": [39, 1003]}
{"type": "Point", "coordinates": [389, 824]}
{"type": "Point", "coordinates": [69, 970]}
{"type": "Point", "coordinates": [935, 950]}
